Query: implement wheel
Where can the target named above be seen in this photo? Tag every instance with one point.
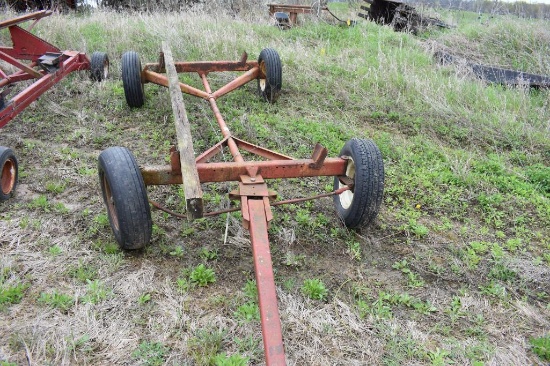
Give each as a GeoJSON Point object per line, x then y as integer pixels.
{"type": "Point", "coordinates": [271, 75]}
{"type": "Point", "coordinates": [131, 79]}
{"type": "Point", "coordinates": [125, 196]}
{"type": "Point", "coordinates": [8, 173]}
{"type": "Point", "coordinates": [99, 66]}
{"type": "Point", "coordinates": [366, 168]}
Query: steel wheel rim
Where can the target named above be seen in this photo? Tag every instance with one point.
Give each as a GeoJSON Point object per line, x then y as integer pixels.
{"type": "Point", "coordinates": [346, 198]}
{"type": "Point", "coordinates": [7, 179]}
{"type": "Point", "coordinates": [263, 82]}
{"type": "Point", "coordinates": [105, 69]}
{"type": "Point", "coordinates": [110, 202]}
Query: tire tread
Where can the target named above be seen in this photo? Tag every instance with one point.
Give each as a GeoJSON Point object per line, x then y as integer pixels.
{"type": "Point", "coordinates": [129, 195]}
{"type": "Point", "coordinates": [369, 183]}
{"type": "Point", "coordinates": [131, 79]}
{"type": "Point", "coordinates": [274, 74]}
{"type": "Point", "coordinates": [97, 63]}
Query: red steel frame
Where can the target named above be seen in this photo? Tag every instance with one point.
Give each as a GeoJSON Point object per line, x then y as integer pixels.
{"type": "Point", "coordinates": [27, 46]}
{"type": "Point", "coordinates": [253, 193]}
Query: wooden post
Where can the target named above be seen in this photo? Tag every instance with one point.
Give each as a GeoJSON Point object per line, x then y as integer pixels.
{"type": "Point", "coordinates": [190, 177]}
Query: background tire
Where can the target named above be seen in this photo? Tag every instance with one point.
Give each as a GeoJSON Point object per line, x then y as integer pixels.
{"type": "Point", "coordinates": [99, 66]}
{"type": "Point", "coordinates": [131, 79]}
{"type": "Point", "coordinates": [366, 168]}
{"type": "Point", "coordinates": [9, 173]}
{"type": "Point", "coordinates": [270, 66]}
{"type": "Point", "coordinates": [125, 196]}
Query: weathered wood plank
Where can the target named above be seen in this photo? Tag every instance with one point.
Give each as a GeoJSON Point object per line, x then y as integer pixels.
{"type": "Point", "coordinates": [191, 182]}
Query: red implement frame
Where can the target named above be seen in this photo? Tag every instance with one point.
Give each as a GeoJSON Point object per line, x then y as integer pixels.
{"type": "Point", "coordinates": [48, 65]}
{"type": "Point", "coordinates": [252, 192]}
{"type": "Point", "coordinates": [294, 10]}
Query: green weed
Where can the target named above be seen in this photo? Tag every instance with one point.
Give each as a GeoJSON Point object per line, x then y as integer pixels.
{"type": "Point", "coordinates": [177, 252]}
{"type": "Point", "coordinates": [438, 357]}
{"type": "Point", "coordinates": [56, 300]}
{"type": "Point", "coordinates": [55, 187]}
{"type": "Point", "coordinates": [208, 254]}
{"type": "Point", "coordinates": [455, 309]}
{"type": "Point", "coordinates": [354, 250]}
{"type": "Point", "coordinates": [249, 345]}
{"type": "Point", "coordinates": [151, 353]}
{"type": "Point", "coordinates": [54, 250]}
{"type": "Point", "coordinates": [541, 347]}
{"type": "Point", "coordinates": [234, 360]}
{"type": "Point", "coordinates": [314, 289]}
{"type": "Point", "coordinates": [182, 285]}
{"type": "Point", "coordinates": [81, 344]}
{"type": "Point", "coordinates": [205, 345]}
{"type": "Point", "coordinates": [83, 272]}
{"type": "Point", "coordinates": [500, 272]}
{"type": "Point", "coordinates": [294, 260]}
{"type": "Point", "coordinates": [251, 290]}
{"type": "Point", "coordinates": [96, 292]}
{"type": "Point", "coordinates": [11, 294]}
{"type": "Point", "coordinates": [144, 298]}
{"type": "Point", "coordinates": [413, 279]}
{"type": "Point", "coordinates": [202, 276]}
{"type": "Point", "coordinates": [248, 312]}
{"type": "Point", "coordinates": [380, 308]}
{"type": "Point", "coordinates": [494, 289]}
{"type": "Point", "coordinates": [42, 203]}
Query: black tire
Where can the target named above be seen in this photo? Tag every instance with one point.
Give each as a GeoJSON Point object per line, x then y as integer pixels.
{"type": "Point", "coordinates": [131, 79]}
{"type": "Point", "coordinates": [99, 66]}
{"type": "Point", "coordinates": [9, 173]}
{"type": "Point", "coordinates": [270, 80]}
{"type": "Point", "coordinates": [366, 167]}
{"type": "Point", "coordinates": [125, 196]}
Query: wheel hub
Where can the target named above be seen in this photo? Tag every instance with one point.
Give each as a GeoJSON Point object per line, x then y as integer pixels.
{"type": "Point", "coordinates": [105, 70]}
{"type": "Point", "coordinates": [346, 197]}
{"type": "Point", "coordinates": [263, 81]}
{"type": "Point", "coordinates": [7, 179]}
{"type": "Point", "coordinates": [110, 204]}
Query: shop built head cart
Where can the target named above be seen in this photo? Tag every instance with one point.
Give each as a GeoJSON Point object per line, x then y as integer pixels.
{"type": "Point", "coordinates": [358, 172]}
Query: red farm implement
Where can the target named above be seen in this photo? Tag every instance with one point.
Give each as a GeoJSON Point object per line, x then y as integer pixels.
{"type": "Point", "coordinates": [40, 64]}
{"type": "Point", "coordinates": [358, 172]}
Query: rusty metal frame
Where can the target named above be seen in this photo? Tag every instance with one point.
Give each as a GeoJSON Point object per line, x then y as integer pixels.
{"type": "Point", "coordinates": [294, 10]}
{"type": "Point", "coordinates": [28, 47]}
{"type": "Point", "coordinates": [252, 191]}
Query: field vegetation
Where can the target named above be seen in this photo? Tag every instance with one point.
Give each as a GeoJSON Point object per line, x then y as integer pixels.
{"type": "Point", "coordinates": [455, 269]}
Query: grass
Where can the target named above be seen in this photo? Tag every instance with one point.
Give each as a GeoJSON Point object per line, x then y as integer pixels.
{"type": "Point", "coordinates": [56, 300]}
{"type": "Point", "coordinates": [541, 346]}
{"type": "Point", "coordinates": [150, 353]}
{"type": "Point", "coordinates": [453, 271]}
{"type": "Point", "coordinates": [11, 294]}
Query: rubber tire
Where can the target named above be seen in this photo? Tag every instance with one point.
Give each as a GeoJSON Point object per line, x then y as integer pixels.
{"type": "Point", "coordinates": [125, 196]}
{"type": "Point", "coordinates": [270, 66]}
{"type": "Point", "coordinates": [131, 79]}
{"type": "Point", "coordinates": [366, 168]}
{"type": "Point", "coordinates": [99, 66]}
{"type": "Point", "coordinates": [9, 173]}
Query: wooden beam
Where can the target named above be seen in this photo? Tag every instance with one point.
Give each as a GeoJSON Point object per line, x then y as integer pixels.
{"type": "Point", "coordinates": [190, 176]}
